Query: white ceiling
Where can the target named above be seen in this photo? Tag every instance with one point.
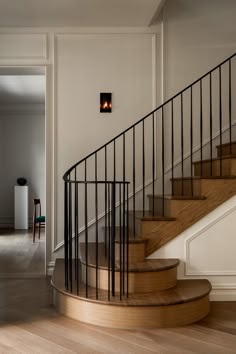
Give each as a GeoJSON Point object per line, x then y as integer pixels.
{"type": "Point", "coordinates": [92, 13]}
{"type": "Point", "coordinates": [18, 89]}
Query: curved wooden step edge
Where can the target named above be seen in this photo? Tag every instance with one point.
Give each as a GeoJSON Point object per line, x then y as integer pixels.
{"type": "Point", "coordinates": [144, 277]}
{"type": "Point", "coordinates": [187, 303]}
{"type": "Point", "coordinates": [134, 317]}
{"type": "Point", "coordinates": [148, 265]}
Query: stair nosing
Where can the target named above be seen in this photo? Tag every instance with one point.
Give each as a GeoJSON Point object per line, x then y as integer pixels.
{"type": "Point", "coordinates": [203, 177]}
{"type": "Point", "coordinates": [128, 301]}
{"type": "Point", "coordinates": [173, 197]}
{"type": "Point", "coordinates": [225, 144]}
{"type": "Point", "coordinates": [133, 270]}
{"type": "Point", "coordinates": [223, 157]}
{"type": "Point", "coordinates": [151, 218]}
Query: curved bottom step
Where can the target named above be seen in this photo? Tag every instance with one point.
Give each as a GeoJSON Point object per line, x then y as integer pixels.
{"type": "Point", "coordinates": [131, 317]}
{"type": "Point", "coordinates": [188, 302]}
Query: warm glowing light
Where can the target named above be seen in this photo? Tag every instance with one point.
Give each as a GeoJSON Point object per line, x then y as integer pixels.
{"type": "Point", "coordinates": [105, 102]}
{"type": "Point", "coordinates": [105, 105]}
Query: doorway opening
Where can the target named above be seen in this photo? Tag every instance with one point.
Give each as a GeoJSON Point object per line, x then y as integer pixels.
{"type": "Point", "coordinates": [22, 171]}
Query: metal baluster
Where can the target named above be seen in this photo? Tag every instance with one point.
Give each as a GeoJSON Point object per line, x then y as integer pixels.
{"type": "Point", "coordinates": [182, 143]}
{"type": "Point", "coordinates": [220, 114]}
{"type": "Point", "coordinates": [66, 232]}
{"type": "Point", "coordinates": [191, 137]}
{"type": "Point", "coordinates": [77, 236]}
{"type": "Point", "coordinates": [105, 201]}
{"type": "Point", "coordinates": [96, 217]}
{"type": "Point", "coordinates": [211, 125]}
{"type": "Point", "coordinates": [143, 170]}
{"type": "Point", "coordinates": [75, 220]}
{"type": "Point", "coordinates": [109, 244]}
{"type": "Point", "coordinates": [70, 237]}
{"type": "Point", "coordinates": [230, 108]}
{"type": "Point", "coordinates": [113, 231]}
{"type": "Point", "coordinates": [134, 180]}
{"type": "Point", "coordinates": [123, 238]}
{"type": "Point", "coordinates": [120, 244]}
{"type": "Point", "coordinates": [86, 227]}
{"type": "Point", "coordinates": [201, 126]}
{"type": "Point", "coordinates": [172, 147]}
{"type": "Point", "coordinates": [127, 243]}
{"type": "Point", "coordinates": [163, 159]}
{"type": "Point", "coordinates": [153, 164]}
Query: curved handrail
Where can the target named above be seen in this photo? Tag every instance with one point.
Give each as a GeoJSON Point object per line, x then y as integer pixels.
{"type": "Point", "coordinates": [65, 176]}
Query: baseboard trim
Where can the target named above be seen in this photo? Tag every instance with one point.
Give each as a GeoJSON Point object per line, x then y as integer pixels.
{"type": "Point", "coordinates": [50, 267]}
{"type": "Point", "coordinates": [221, 294]}
{"type": "Point", "coordinates": [21, 275]}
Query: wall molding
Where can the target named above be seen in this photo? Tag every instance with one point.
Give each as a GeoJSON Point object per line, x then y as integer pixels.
{"type": "Point", "coordinates": [50, 267]}
{"type": "Point", "coordinates": [188, 241]}
{"type": "Point", "coordinates": [152, 35]}
{"type": "Point", "coordinates": [23, 38]}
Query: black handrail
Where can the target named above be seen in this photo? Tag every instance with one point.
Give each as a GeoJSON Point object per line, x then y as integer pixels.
{"type": "Point", "coordinates": [147, 115]}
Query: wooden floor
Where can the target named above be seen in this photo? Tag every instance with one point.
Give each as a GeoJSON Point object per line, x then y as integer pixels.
{"type": "Point", "coordinates": [19, 256]}
{"type": "Point", "coordinates": [29, 324]}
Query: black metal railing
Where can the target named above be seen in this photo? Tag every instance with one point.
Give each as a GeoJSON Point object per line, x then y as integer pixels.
{"type": "Point", "coordinates": [150, 159]}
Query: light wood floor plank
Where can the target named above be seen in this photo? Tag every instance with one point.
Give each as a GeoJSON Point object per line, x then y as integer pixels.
{"type": "Point", "coordinates": [29, 324]}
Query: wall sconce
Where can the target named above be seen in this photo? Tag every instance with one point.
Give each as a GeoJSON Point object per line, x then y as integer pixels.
{"type": "Point", "coordinates": [105, 102]}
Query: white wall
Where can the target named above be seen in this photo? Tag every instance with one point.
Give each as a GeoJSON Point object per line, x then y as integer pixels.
{"type": "Point", "coordinates": [22, 155]}
{"type": "Point", "coordinates": [198, 35]}
{"type": "Point", "coordinates": [87, 64]}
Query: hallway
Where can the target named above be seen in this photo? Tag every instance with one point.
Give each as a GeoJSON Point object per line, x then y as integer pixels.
{"type": "Point", "coordinates": [19, 256]}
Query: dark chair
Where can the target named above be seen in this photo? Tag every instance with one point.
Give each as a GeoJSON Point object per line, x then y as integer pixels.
{"type": "Point", "coordinates": [38, 219]}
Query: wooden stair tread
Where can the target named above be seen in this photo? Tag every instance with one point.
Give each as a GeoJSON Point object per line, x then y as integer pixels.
{"type": "Point", "coordinates": [148, 265]}
{"type": "Point", "coordinates": [223, 157]}
{"type": "Point", "coordinates": [202, 177]}
{"type": "Point", "coordinates": [226, 144]}
{"type": "Point", "coordinates": [181, 197]}
{"type": "Point", "coordinates": [149, 217]}
{"type": "Point", "coordinates": [185, 291]}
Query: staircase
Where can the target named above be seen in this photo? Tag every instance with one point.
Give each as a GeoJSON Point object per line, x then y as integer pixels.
{"type": "Point", "coordinates": [133, 195]}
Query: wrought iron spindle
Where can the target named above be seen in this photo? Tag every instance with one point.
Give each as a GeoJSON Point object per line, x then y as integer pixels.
{"type": "Point", "coordinates": [191, 137]}
{"type": "Point", "coordinates": [86, 226]}
{"type": "Point", "coordinates": [96, 220]}
{"type": "Point", "coordinates": [220, 117]}
{"type": "Point", "coordinates": [201, 125]}
{"type": "Point", "coordinates": [127, 242]}
{"type": "Point", "coordinates": [66, 232]}
{"type": "Point", "coordinates": [163, 160]}
{"type": "Point", "coordinates": [134, 177]}
{"type": "Point", "coordinates": [143, 130]}
{"type": "Point", "coordinates": [211, 125]}
{"type": "Point", "coordinates": [182, 142]}
{"type": "Point", "coordinates": [230, 109]}
{"type": "Point", "coordinates": [153, 164]}
{"type": "Point", "coordinates": [172, 147]}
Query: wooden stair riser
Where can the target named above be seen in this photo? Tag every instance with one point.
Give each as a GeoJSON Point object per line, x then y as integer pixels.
{"type": "Point", "coordinates": [225, 150]}
{"type": "Point", "coordinates": [224, 167]}
{"type": "Point", "coordinates": [217, 191]}
{"type": "Point", "coordinates": [139, 282]}
{"type": "Point", "coordinates": [132, 317]}
{"type": "Point", "coordinates": [136, 252]}
{"type": "Point", "coordinates": [174, 207]}
{"type": "Point", "coordinates": [187, 187]}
